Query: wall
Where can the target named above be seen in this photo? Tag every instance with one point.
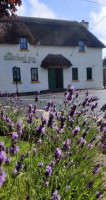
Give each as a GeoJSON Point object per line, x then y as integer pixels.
{"type": "Point", "coordinates": [91, 58]}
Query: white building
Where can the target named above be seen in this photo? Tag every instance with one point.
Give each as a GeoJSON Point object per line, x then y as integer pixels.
{"type": "Point", "coordinates": [42, 54]}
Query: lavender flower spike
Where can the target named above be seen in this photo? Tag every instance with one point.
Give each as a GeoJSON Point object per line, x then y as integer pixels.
{"type": "Point", "coordinates": [2, 177]}
{"type": "Point", "coordinates": [48, 170]}
{"type": "Point", "coordinates": [14, 136]}
{"type": "Point", "coordinates": [56, 196]}
{"type": "Point", "coordinates": [58, 154]}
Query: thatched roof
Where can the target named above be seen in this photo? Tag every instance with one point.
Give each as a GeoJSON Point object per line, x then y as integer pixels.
{"type": "Point", "coordinates": [48, 31]}
{"type": "Point", "coordinates": [55, 61]}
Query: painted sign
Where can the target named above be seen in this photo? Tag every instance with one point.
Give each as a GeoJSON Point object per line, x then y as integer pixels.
{"type": "Point", "coordinates": [24, 59]}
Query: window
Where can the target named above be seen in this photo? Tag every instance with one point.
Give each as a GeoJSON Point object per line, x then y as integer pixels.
{"type": "Point", "coordinates": [89, 73]}
{"type": "Point", "coordinates": [74, 73]}
{"type": "Point", "coordinates": [23, 43]}
{"type": "Point", "coordinates": [34, 74]}
{"type": "Point", "coordinates": [81, 45]}
{"type": "Point", "coordinates": [16, 74]}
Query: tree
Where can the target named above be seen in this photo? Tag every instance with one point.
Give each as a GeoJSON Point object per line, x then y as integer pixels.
{"type": "Point", "coordinates": [8, 7]}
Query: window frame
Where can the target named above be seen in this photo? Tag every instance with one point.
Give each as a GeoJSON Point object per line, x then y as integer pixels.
{"type": "Point", "coordinates": [89, 76]}
{"type": "Point", "coordinates": [81, 45]}
{"type": "Point", "coordinates": [22, 47]}
{"type": "Point", "coordinates": [14, 78]}
{"type": "Point", "coordinates": [74, 76]}
{"type": "Point", "coordinates": [35, 74]}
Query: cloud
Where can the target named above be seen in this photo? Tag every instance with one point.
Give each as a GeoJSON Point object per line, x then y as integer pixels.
{"type": "Point", "coordinates": [40, 10]}
{"type": "Point", "coordinates": [33, 8]}
{"type": "Point", "coordinates": [22, 10]}
{"type": "Point", "coordinates": [98, 21]}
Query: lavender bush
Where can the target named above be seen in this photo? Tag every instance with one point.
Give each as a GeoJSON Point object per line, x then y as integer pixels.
{"type": "Point", "coordinates": [52, 158]}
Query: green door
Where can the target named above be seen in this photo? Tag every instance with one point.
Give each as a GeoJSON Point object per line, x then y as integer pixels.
{"type": "Point", "coordinates": [59, 78]}
{"type": "Point", "coordinates": [51, 78]}
{"type": "Point", "coordinates": [55, 77]}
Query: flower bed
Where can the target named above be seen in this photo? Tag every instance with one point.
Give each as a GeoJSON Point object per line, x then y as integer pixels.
{"type": "Point", "coordinates": [55, 157]}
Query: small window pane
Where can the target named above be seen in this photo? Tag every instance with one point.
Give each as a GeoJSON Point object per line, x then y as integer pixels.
{"type": "Point", "coordinates": [23, 43]}
{"type": "Point", "coordinates": [33, 77]}
{"type": "Point", "coordinates": [16, 74]}
{"type": "Point", "coordinates": [24, 40]}
{"type": "Point", "coordinates": [89, 73]}
{"type": "Point", "coordinates": [81, 45]}
{"type": "Point", "coordinates": [74, 73]}
{"type": "Point", "coordinates": [34, 74]}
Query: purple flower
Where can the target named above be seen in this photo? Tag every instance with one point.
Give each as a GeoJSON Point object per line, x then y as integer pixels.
{"type": "Point", "coordinates": [40, 130]}
{"type": "Point", "coordinates": [58, 154]}
{"type": "Point", "coordinates": [90, 145]}
{"type": "Point", "coordinates": [57, 138]}
{"type": "Point", "coordinates": [82, 142]}
{"type": "Point", "coordinates": [84, 122]}
{"type": "Point", "coordinates": [15, 171]}
{"type": "Point", "coordinates": [34, 109]}
{"type": "Point", "coordinates": [22, 157]}
{"type": "Point", "coordinates": [11, 124]}
{"type": "Point", "coordinates": [2, 157]}
{"type": "Point", "coordinates": [30, 118]}
{"type": "Point", "coordinates": [2, 177]}
{"type": "Point", "coordinates": [36, 98]}
{"type": "Point", "coordinates": [14, 149]}
{"type": "Point", "coordinates": [2, 114]}
{"type": "Point", "coordinates": [76, 131]}
{"type": "Point", "coordinates": [66, 145]}
{"type": "Point", "coordinates": [39, 141]}
{"type": "Point", "coordinates": [8, 119]}
{"type": "Point", "coordinates": [76, 165]}
{"type": "Point", "coordinates": [99, 195]}
{"type": "Point", "coordinates": [51, 116]}
{"type": "Point", "coordinates": [48, 171]}
{"type": "Point", "coordinates": [104, 129]}
{"type": "Point", "coordinates": [52, 163]}
{"type": "Point", "coordinates": [103, 107]}
{"type": "Point", "coordinates": [96, 169]}
{"type": "Point", "coordinates": [40, 165]}
{"type": "Point", "coordinates": [29, 108]}
{"type": "Point", "coordinates": [14, 136]}
{"type": "Point", "coordinates": [67, 187]}
{"type": "Point", "coordinates": [8, 160]}
{"type": "Point", "coordinates": [19, 125]}
{"type": "Point", "coordinates": [47, 183]}
{"type": "Point", "coordinates": [70, 163]}
{"type": "Point", "coordinates": [84, 156]}
{"type": "Point", "coordinates": [34, 151]}
{"type": "Point", "coordinates": [1, 146]}
{"type": "Point", "coordinates": [18, 166]}
{"type": "Point", "coordinates": [55, 196]}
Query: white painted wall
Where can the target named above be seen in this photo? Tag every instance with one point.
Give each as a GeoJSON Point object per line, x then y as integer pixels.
{"type": "Point", "coordinates": [91, 58]}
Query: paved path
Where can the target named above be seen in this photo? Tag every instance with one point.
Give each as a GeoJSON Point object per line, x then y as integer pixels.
{"type": "Point", "coordinates": [59, 98]}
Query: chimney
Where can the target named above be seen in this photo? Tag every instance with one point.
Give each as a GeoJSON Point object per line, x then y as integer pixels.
{"type": "Point", "coordinates": [85, 24]}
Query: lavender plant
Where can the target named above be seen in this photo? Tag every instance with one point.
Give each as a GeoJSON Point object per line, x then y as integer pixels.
{"type": "Point", "coordinates": [56, 157]}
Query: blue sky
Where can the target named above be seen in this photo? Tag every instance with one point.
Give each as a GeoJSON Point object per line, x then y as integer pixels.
{"type": "Point", "coordinates": [75, 10]}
